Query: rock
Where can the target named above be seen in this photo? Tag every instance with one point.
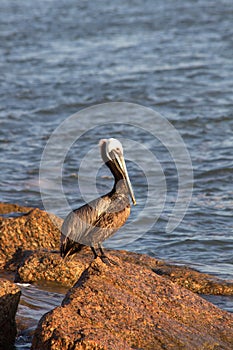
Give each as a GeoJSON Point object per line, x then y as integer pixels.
{"type": "Point", "coordinates": [49, 266]}
{"type": "Point", "coordinates": [195, 281]}
{"type": "Point", "coordinates": [7, 208]}
{"type": "Point", "coordinates": [9, 299]}
{"type": "Point", "coordinates": [32, 230]}
{"type": "Point", "coordinates": [131, 307]}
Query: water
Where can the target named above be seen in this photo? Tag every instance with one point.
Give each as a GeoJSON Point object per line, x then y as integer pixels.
{"type": "Point", "coordinates": [174, 57]}
{"type": "Point", "coordinates": [34, 303]}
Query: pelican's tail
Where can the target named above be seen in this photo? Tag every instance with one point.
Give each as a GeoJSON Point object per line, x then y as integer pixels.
{"type": "Point", "coordinates": [69, 247]}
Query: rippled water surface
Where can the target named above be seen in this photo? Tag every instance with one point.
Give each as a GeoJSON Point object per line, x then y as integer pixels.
{"type": "Point", "coordinates": [57, 58]}
{"type": "Point", "coordinates": [34, 303]}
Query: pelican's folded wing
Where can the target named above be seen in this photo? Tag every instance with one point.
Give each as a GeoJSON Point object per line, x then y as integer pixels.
{"type": "Point", "coordinates": [80, 223]}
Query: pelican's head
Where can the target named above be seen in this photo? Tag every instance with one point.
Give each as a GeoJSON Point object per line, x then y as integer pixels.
{"type": "Point", "coordinates": [112, 154]}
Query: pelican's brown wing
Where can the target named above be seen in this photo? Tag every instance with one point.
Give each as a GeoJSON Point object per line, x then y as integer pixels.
{"type": "Point", "coordinates": [96, 221]}
{"type": "Point", "coordinates": [111, 220]}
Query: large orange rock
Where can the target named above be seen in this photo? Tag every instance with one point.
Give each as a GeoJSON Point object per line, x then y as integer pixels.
{"type": "Point", "coordinates": [128, 306]}
{"type": "Point", "coordinates": [49, 266]}
{"type": "Point", "coordinates": [31, 230]}
{"type": "Point", "coordinates": [9, 299]}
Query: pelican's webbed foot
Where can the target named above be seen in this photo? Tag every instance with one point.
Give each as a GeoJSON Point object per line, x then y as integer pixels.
{"type": "Point", "coordinates": [108, 261]}
{"type": "Point", "coordinates": [105, 258]}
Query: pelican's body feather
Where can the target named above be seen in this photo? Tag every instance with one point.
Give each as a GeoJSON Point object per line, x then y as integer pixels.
{"type": "Point", "coordinates": [94, 222]}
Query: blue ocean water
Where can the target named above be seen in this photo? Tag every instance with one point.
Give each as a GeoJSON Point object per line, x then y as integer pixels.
{"type": "Point", "coordinates": [174, 57]}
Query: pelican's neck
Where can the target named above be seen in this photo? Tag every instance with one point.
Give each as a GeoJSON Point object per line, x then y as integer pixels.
{"type": "Point", "coordinates": [120, 187]}
{"type": "Point", "coordinates": [115, 172]}
{"type": "Point", "coordinates": [119, 182]}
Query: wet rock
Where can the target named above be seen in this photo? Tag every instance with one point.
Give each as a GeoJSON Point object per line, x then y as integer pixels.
{"type": "Point", "coordinates": [9, 299]}
{"type": "Point", "coordinates": [129, 306]}
{"type": "Point", "coordinates": [32, 230]}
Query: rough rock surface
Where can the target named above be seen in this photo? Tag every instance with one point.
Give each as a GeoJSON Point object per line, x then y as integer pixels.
{"type": "Point", "coordinates": [9, 299]}
{"type": "Point", "coordinates": [130, 307]}
{"type": "Point", "coordinates": [29, 231]}
{"type": "Point", "coordinates": [6, 208]}
{"type": "Point", "coordinates": [195, 281]}
{"type": "Point", "coordinates": [49, 266]}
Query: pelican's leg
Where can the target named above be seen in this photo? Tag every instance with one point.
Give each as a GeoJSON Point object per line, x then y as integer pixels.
{"type": "Point", "coordinates": [102, 251]}
{"type": "Point", "coordinates": [104, 257]}
{"type": "Point", "coordinates": [94, 252]}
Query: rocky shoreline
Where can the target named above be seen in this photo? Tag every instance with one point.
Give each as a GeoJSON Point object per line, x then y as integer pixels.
{"type": "Point", "coordinates": [141, 303]}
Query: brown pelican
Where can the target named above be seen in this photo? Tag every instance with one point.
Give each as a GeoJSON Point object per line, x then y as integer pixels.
{"type": "Point", "coordinates": [95, 221]}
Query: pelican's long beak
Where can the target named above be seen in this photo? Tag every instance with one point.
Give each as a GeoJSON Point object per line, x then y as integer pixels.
{"type": "Point", "coordinates": [120, 163]}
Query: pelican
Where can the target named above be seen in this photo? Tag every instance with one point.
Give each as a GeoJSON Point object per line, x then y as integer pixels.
{"type": "Point", "coordinates": [99, 219]}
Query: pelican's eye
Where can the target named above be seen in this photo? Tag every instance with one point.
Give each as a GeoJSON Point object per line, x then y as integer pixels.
{"type": "Point", "coordinates": [118, 150]}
